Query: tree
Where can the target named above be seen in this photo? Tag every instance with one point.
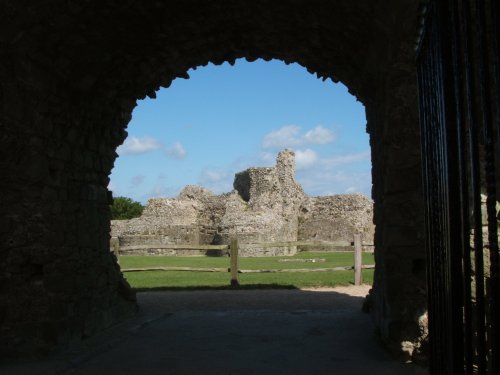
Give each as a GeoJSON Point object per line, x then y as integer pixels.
{"type": "Point", "coordinates": [125, 208]}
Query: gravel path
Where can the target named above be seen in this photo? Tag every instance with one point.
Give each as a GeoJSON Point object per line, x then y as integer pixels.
{"type": "Point", "coordinates": [350, 297]}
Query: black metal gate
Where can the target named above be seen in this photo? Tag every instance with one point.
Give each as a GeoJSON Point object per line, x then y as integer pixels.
{"type": "Point", "coordinates": [459, 87]}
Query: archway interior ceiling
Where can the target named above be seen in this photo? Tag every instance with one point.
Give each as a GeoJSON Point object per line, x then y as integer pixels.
{"type": "Point", "coordinates": [124, 50]}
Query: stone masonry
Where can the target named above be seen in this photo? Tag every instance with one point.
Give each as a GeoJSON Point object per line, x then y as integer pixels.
{"type": "Point", "coordinates": [266, 205]}
{"type": "Point", "coordinates": [336, 217]}
{"type": "Point", "coordinates": [71, 73]}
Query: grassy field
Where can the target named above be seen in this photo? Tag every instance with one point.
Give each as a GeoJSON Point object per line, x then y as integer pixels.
{"type": "Point", "coordinates": [187, 280]}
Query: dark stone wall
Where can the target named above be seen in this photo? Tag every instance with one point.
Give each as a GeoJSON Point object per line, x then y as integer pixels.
{"type": "Point", "coordinates": [399, 292]}
{"type": "Point", "coordinates": [70, 74]}
{"type": "Point", "coordinates": [58, 280]}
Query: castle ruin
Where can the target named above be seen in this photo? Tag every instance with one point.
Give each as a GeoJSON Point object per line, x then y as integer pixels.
{"type": "Point", "coordinates": [71, 74]}
{"type": "Point", "coordinates": [266, 205]}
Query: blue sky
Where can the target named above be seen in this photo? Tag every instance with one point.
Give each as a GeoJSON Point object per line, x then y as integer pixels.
{"type": "Point", "coordinates": [226, 118]}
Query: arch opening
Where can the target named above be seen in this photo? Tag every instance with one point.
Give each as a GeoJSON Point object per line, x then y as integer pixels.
{"type": "Point", "coordinates": [231, 118]}
{"type": "Point", "coordinates": [247, 114]}
{"type": "Point", "coordinates": [67, 114]}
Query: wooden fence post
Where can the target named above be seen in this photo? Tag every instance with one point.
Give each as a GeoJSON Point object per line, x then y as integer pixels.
{"type": "Point", "coordinates": [233, 253]}
{"type": "Point", "coordinates": [358, 253]}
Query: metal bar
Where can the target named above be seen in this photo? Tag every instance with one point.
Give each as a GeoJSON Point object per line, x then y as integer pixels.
{"type": "Point", "coordinates": [495, 259]}
{"type": "Point", "coordinates": [428, 99]}
{"type": "Point", "coordinates": [480, 334]}
{"type": "Point", "coordinates": [495, 21]}
{"type": "Point", "coordinates": [463, 103]}
{"type": "Point", "coordinates": [458, 243]}
{"type": "Point", "coordinates": [459, 92]}
{"type": "Point", "coordinates": [439, 229]}
{"type": "Point", "coordinates": [489, 173]}
{"type": "Point", "coordinates": [441, 177]}
{"type": "Point", "coordinates": [462, 261]}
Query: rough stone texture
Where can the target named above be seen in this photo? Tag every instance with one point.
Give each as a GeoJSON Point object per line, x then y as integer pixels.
{"type": "Point", "coordinates": [266, 209]}
{"type": "Point", "coordinates": [267, 205]}
{"type": "Point", "coordinates": [70, 75]}
{"type": "Point", "coordinates": [399, 294]}
{"type": "Point", "coordinates": [336, 217]}
{"type": "Point", "coordinates": [192, 218]}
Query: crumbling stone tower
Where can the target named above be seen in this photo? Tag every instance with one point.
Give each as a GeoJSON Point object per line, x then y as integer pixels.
{"type": "Point", "coordinates": [264, 206]}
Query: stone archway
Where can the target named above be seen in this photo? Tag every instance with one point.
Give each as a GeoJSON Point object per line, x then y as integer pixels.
{"type": "Point", "coordinates": [70, 76]}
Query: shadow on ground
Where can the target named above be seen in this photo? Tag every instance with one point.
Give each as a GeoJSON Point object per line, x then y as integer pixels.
{"type": "Point", "coordinates": [268, 331]}
{"type": "Point", "coordinates": [221, 287]}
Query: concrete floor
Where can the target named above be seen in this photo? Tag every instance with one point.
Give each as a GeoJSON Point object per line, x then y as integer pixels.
{"type": "Point", "coordinates": [233, 332]}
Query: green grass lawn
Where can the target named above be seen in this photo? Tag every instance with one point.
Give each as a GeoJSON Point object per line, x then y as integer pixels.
{"type": "Point", "coordinates": [186, 280]}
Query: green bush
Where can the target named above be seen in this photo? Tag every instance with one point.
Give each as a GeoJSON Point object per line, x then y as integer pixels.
{"type": "Point", "coordinates": [125, 208]}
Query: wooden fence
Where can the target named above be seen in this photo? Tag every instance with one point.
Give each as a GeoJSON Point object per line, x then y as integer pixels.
{"type": "Point", "coordinates": [233, 249]}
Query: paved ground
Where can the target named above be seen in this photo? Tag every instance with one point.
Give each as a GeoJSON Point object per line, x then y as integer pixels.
{"type": "Point", "coordinates": [235, 332]}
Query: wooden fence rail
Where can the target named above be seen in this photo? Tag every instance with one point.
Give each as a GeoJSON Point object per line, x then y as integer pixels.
{"type": "Point", "coordinates": [300, 243]}
{"type": "Point", "coordinates": [175, 247]}
{"type": "Point", "coordinates": [234, 257]}
{"type": "Point", "coordinates": [188, 269]}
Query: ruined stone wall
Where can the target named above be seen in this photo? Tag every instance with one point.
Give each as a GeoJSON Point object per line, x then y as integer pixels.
{"type": "Point", "coordinates": [336, 218]}
{"type": "Point", "coordinates": [192, 218]}
{"type": "Point", "coordinates": [263, 208]}
{"type": "Point", "coordinates": [267, 205]}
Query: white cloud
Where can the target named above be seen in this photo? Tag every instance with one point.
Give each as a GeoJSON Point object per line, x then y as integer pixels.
{"type": "Point", "coordinates": [213, 175]}
{"type": "Point", "coordinates": [177, 151]}
{"type": "Point", "coordinates": [319, 135]}
{"type": "Point", "coordinates": [160, 191]}
{"type": "Point", "coordinates": [347, 158]}
{"type": "Point", "coordinates": [285, 137]}
{"type": "Point", "coordinates": [318, 181]}
{"type": "Point", "coordinates": [217, 180]}
{"type": "Point", "coordinates": [267, 157]}
{"type": "Point", "coordinates": [290, 135]}
{"type": "Point", "coordinates": [135, 146]}
{"type": "Point", "coordinates": [305, 158]}
{"type": "Point", "coordinates": [339, 174]}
